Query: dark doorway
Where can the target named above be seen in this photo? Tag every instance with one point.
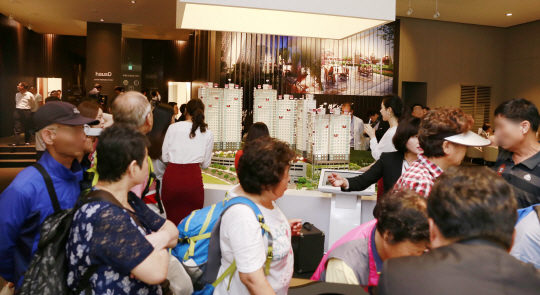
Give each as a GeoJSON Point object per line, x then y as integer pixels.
{"type": "Point", "coordinates": [414, 92]}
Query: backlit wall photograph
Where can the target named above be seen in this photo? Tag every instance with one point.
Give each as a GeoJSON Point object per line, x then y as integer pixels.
{"type": "Point", "coordinates": [362, 64]}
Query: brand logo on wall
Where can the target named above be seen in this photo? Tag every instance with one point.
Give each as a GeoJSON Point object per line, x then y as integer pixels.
{"type": "Point", "coordinates": [105, 74]}
{"type": "Point", "coordinates": [125, 82]}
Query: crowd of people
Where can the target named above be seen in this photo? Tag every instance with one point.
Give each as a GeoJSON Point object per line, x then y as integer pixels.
{"type": "Point", "coordinates": [439, 228]}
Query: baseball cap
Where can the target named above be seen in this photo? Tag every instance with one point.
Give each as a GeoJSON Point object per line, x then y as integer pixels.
{"type": "Point", "coordinates": [468, 138]}
{"type": "Point", "coordinates": [62, 113]}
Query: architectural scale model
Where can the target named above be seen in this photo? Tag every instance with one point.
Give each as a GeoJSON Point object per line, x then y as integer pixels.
{"type": "Point", "coordinates": [223, 114]}
{"type": "Point", "coordinates": [303, 108]}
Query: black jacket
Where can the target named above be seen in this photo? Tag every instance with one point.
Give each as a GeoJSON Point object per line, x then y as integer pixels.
{"type": "Point", "coordinates": [388, 167]}
{"type": "Point", "coordinates": [383, 126]}
{"type": "Point", "coordinates": [471, 267]}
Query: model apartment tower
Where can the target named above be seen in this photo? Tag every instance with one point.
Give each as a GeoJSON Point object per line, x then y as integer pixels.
{"type": "Point", "coordinates": [264, 100]}
{"type": "Point", "coordinates": [285, 120]}
{"type": "Point", "coordinates": [328, 136]}
{"type": "Point", "coordinates": [303, 108]}
{"type": "Point", "coordinates": [278, 113]}
{"type": "Point", "coordinates": [223, 114]}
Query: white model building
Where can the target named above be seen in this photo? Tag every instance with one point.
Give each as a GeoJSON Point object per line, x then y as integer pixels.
{"type": "Point", "coordinates": [264, 101]}
{"type": "Point", "coordinates": [223, 114]}
{"type": "Point", "coordinates": [303, 107]}
{"type": "Point", "coordinates": [339, 145]}
{"type": "Point", "coordinates": [328, 138]}
{"type": "Point", "coordinates": [318, 136]}
{"type": "Point", "coordinates": [285, 120]}
{"type": "Point", "coordinates": [231, 135]}
{"type": "Point", "coordinates": [278, 114]}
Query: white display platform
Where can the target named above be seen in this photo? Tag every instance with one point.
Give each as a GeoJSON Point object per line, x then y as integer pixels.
{"type": "Point", "coordinates": [321, 209]}
{"type": "Point", "coordinates": [347, 209]}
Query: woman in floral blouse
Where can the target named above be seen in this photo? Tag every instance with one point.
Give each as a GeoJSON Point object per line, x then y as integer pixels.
{"type": "Point", "coordinates": [120, 238]}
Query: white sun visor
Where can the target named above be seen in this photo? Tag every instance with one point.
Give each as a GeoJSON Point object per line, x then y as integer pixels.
{"type": "Point", "coordinates": [469, 139]}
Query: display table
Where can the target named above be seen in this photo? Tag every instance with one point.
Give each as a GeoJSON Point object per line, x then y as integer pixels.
{"type": "Point", "coordinates": [327, 213]}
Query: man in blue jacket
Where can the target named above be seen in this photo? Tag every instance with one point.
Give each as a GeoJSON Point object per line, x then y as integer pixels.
{"type": "Point", "coordinates": [25, 204]}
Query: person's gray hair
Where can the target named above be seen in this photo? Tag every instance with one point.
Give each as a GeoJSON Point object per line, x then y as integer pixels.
{"type": "Point", "coordinates": [131, 108]}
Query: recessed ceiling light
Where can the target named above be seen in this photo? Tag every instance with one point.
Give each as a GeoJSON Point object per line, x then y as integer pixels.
{"type": "Point", "coordinates": [508, 14]}
{"type": "Point", "coordinates": [101, 20]}
{"type": "Point", "coordinates": [133, 1]}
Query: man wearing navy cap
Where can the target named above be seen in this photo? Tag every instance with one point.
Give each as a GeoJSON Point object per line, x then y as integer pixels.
{"type": "Point", "coordinates": [26, 203]}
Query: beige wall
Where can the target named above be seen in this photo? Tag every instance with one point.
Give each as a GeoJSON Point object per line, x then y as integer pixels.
{"type": "Point", "coordinates": [447, 55]}
{"type": "Point", "coordinates": [522, 62]}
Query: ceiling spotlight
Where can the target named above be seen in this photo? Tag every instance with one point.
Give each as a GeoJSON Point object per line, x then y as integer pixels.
{"type": "Point", "coordinates": [508, 14]}
{"type": "Point", "coordinates": [101, 20]}
{"type": "Point", "coordinates": [133, 1]}
{"type": "Point", "coordinates": [30, 27]}
{"type": "Point", "coordinates": [437, 14]}
{"type": "Point", "coordinates": [11, 17]}
{"type": "Point", "coordinates": [409, 12]}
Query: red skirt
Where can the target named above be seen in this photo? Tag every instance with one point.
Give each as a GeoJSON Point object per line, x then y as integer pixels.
{"type": "Point", "coordinates": [182, 190]}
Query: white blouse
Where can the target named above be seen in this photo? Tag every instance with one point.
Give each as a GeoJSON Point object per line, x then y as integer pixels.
{"type": "Point", "coordinates": [385, 145]}
{"type": "Point", "coordinates": [178, 148]}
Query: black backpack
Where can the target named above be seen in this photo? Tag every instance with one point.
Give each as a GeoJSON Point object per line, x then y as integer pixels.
{"type": "Point", "coordinates": [48, 269]}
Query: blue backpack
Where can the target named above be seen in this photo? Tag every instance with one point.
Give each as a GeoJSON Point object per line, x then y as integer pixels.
{"type": "Point", "coordinates": [198, 247]}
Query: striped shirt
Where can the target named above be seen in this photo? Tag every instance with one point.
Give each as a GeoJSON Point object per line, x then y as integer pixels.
{"type": "Point", "coordinates": [524, 177]}
{"type": "Point", "coordinates": [419, 177]}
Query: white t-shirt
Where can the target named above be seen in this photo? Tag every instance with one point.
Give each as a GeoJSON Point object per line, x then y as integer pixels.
{"type": "Point", "coordinates": [178, 148]}
{"type": "Point", "coordinates": [24, 101]}
{"type": "Point", "coordinates": [37, 99]}
{"type": "Point", "coordinates": [241, 239]}
{"type": "Point", "coordinates": [385, 145]}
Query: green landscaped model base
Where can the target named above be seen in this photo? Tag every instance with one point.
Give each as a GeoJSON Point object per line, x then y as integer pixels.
{"type": "Point", "coordinates": [212, 180]}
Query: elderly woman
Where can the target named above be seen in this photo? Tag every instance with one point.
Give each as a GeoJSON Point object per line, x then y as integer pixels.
{"type": "Point", "coordinates": [117, 244]}
{"type": "Point", "coordinates": [263, 171]}
{"type": "Point", "coordinates": [444, 136]}
{"type": "Point", "coordinates": [400, 229]}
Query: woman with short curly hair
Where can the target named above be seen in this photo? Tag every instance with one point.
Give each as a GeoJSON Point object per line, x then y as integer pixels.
{"type": "Point", "coordinates": [444, 136]}
{"type": "Point", "coordinates": [263, 172]}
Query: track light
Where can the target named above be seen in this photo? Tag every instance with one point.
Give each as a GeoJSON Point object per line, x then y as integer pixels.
{"type": "Point", "coordinates": [409, 12]}
{"type": "Point", "coordinates": [11, 17]}
{"type": "Point", "coordinates": [30, 27]}
{"type": "Point", "coordinates": [437, 14]}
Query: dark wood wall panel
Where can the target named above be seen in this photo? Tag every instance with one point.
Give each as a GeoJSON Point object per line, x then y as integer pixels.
{"type": "Point", "coordinates": [26, 55]}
